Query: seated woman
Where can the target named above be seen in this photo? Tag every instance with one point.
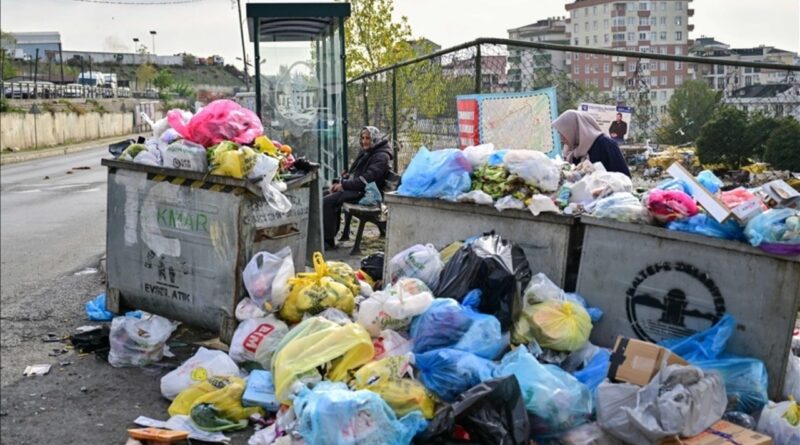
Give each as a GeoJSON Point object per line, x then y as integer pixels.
{"type": "Point", "coordinates": [584, 138]}
{"type": "Point", "coordinates": [371, 165]}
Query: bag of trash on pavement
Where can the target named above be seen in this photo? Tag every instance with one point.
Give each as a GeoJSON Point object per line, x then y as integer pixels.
{"type": "Point", "coordinates": [449, 372]}
{"type": "Point", "coordinates": [623, 207]}
{"type": "Point", "coordinates": [535, 168]}
{"type": "Point", "coordinates": [389, 344]}
{"type": "Point", "coordinates": [497, 268]}
{"type": "Point", "coordinates": [394, 307]}
{"type": "Point", "coordinates": [267, 273]}
{"type": "Point", "coordinates": [541, 289]}
{"type": "Point", "coordinates": [332, 284]}
{"type": "Point", "coordinates": [558, 325]}
{"type": "Point", "coordinates": [185, 155]}
{"type": "Point", "coordinates": [372, 265]}
{"type": "Point", "coordinates": [745, 378]}
{"type": "Point", "coordinates": [478, 155]}
{"type": "Point", "coordinates": [331, 414]}
{"type": "Point", "coordinates": [314, 343]}
{"type": "Point", "coordinates": [776, 230]}
{"type": "Point", "coordinates": [594, 372]}
{"type": "Point", "coordinates": [222, 410]}
{"type": "Point", "coordinates": [250, 334]}
{"type": "Point", "coordinates": [669, 205]}
{"type": "Point", "coordinates": [781, 421]}
{"type": "Point", "coordinates": [218, 121]}
{"type": "Point", "coordinates": [588, 434]}
{"type": "Point", "coordinates": [791, 384]}
{"type": "Point", "coordinates": [436, 174]}
{"type": "Point", "coordinates": [680, 400]}
{"type": "Point", "coordinates": [418, 261]}
{"type": "Point", "coordinates": [203, 364]}
{"type": "Point", "coordinates": [247, 309]}
{"type": "Point", "coordinates": [389, 379]}
{"type": "Point", "coordinates": [138, 342]}
{"type": "Point", "coordinates": [96, 309]}
{"type": "Point", "coordinates": [489, 413]}
{"type": "Point", "coordinates": [702, 224]}
{"type": "Point", "coordinates": [260, 391]}
{"type": "Point", "coordinates": [448, 324]}
{"type": "Point", "coordinates": [555, 400]}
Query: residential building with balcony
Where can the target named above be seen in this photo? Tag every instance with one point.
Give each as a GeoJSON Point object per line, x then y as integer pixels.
{"type": "Point", "coordinates": [527, 65]}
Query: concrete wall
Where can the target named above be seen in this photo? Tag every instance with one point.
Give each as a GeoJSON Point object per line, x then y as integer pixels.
{"type": "Point", "coordinates": [28, 131]}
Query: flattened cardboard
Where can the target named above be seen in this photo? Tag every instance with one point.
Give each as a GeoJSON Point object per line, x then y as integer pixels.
{"type": "Point", "coordinates": [637, 362]}
{"type": "Point", "coordinates": [722, 433]}
{"type": "Point", "coordinates": [716, 208]}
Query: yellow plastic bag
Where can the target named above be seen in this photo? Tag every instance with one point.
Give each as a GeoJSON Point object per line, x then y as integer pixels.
{"type": "Point", "coordinates": [328, 286]}
{"type": "Point", "coordinates": [224, 392]}
{"type": "Point", "coordinates": [386, 378]}
{"type": "Point", "coordinates": [227, 160]}
{"type": "Point", "coordinates": [266, 146]}
{"type": "Point", "coordinates": [555, 324]}
{"type": "Point", "coordinates": [316, 342]}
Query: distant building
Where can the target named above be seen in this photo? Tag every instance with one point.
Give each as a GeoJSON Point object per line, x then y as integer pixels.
{"type": "Point", "coordinates": [423, 47]}
{"type": "Point", "coordinates": [494, 77]}
{"type": "Point", "coordinates": [777, 100]}
{"type": "Point", "coordinates": [123, 58]}
{"type": "Point", "coordinates": [525, 64]}
{"type": "Point", "coordinates": [29, 42]}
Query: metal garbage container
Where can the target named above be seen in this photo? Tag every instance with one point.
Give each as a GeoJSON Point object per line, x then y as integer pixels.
{"type": "Point", "coordinates": [653, 284]}
{"type": "Point", "coordinates": [550, 241]}
{"type": "Point", "coordinates": [177, 241]}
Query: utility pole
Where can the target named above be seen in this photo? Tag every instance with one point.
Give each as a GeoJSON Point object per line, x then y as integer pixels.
{"type": "Point", "coordinates": [61, 58]}
{"type": "Point", "coordinates": [36, 73]}
{"type": "Point", "coordinates": [244, 53]}
{"type": "Point", "coordinates": [153, 33]}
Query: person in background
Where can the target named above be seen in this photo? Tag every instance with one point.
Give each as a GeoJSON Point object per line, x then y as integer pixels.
{"type": "Point", "coordinates": [371, 165]}
{"type": "Point", "coordinates": [618, 129]}
{"type": "Point", "coordinates": [584, 139]}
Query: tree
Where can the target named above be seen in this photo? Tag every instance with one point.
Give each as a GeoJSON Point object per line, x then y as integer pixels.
{"type": "Point", "coordinates": [188, 60]}
{"type": "Point", "coordinates": [690, 107]}
{"type": "Point", "coordinates": [759, 129]}
{"type": "Point", "coordinates": [723, 139]}
{"type": "Point", "coordinates": [374, 39]}
{"type": "Point", "coordinates": [145, 74]}
{"type": "Point", "coordinates": [7, 40]}
{"type": "Point", "coordinates": [163, 80]}
{"type": "Point", "coordinates": [783, 146]}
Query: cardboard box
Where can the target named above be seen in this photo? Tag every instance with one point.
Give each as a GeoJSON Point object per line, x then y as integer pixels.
{"type": "Point", "coordinates": [722, 433]}
{"type": "Point", "coordinates": [781, 194]}
{"type": "Point", "coordinates": [716, 208]}
{"type": "Point", "coordinates": [637, 362]}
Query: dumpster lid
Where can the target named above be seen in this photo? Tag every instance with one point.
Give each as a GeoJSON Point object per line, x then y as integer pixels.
{"type": "Point", "coordinates": [164, 172]}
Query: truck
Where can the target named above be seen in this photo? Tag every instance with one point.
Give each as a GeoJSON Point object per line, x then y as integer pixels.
{"type": "Point", "coordinates": [107, 82]}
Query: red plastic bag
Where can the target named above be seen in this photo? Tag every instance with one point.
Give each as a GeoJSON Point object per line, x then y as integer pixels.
{"type": "Point", "coordinates": [669, 205]}
{"type": "Point", "coordinates": [219, 121]}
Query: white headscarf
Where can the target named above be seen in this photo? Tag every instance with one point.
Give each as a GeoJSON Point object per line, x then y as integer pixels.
{"type": "Point", "coordinates": [580, 131]}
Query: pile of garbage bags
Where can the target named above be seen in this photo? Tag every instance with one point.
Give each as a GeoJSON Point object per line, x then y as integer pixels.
{"type": "Point", "coordinates": [224, 139]}
{"type": "Point", "coordinates": [767, 216]}
{"type": "Point", "coordinates": [463, 345]}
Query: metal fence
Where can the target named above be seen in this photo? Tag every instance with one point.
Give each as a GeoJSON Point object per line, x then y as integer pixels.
{"type": "Point", "coordinates": [415, 101]}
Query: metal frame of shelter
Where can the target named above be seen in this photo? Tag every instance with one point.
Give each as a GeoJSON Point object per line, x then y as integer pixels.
{"type": "Point", "coordinates": [322, 26]}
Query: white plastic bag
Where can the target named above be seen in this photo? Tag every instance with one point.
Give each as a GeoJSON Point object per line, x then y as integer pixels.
{"type": "Point", "coordinates": [203, 364]}
{"type": "Point", "coordinates": [138, 342]}
{"type": "Point", "coordinates": [476, 196]}
{"type": "Point", "coordinates": [478, 155]}
{"type": "Point", "coordinates": [509, 202]}
{"type": "Point", "coordinates": [273, 196]}
{"type": "Point", "coordinates": [774, 425]}
{"type": "Point", "coordinates": [186, 155]}
{"type": "Point", "coordinates": [394, 307]}
{"type": "Point", "coordinates": [389, 344]}
{"type": "Point", "coordinates": [247, 309]}
{"type": "Point", "coordinates": [791, 385]}
{"type": "Point", "coordinates": [418, 261]}
{"type": "Point", "coordinates": [535, 168]}
{"type": "Point", "coordinates": [261, 275]}
{"type": "Point", "coordinates": [251, 334]}
{"type": "Point", "coordinates": [265, 167]}
{"type": "Point", "coordinates": [599, 184]}
{"type": "Point", "coordinates": [588, 434]}
{"type": "Point", "coordinates": [540, 204]}
{"type": "Point", "coordinates": [151, 156]}
{"type": "Point", "coordinates": [541, 289]}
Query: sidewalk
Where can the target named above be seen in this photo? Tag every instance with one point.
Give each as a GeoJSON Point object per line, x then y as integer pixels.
{"type": "Point", "coordinates": [28, 155]}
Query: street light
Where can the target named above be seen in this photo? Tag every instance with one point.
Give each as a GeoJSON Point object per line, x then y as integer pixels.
{"type": "Point", "coordinates": [153, 33]}
{"type": "Point", "coordinates": [135, 48]}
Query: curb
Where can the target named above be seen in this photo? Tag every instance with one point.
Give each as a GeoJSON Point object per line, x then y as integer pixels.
{"type": "Point", "coordinates": [14, 158]}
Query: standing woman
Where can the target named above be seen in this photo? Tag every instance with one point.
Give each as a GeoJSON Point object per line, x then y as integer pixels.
{"type": "Point", "coordinates": [584, 139]}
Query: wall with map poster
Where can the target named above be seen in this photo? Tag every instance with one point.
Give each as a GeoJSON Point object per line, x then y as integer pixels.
{"type": "Point", "coordinates": [510, 120]}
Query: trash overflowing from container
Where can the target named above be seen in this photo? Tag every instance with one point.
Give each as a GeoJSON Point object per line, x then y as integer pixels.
{"type": "Point", "coordinates": [766, 216]}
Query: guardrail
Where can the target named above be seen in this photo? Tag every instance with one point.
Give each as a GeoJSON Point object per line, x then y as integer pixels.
{"type": "Point", "coordinates": [43, 90]}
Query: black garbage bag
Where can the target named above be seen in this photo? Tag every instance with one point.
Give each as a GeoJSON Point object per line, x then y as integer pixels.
{"type": "Point", "coordinates": [492, 412]}
{"type": "Point", "coordinates": [372, 265]}
{"type": "Point", "coordinates": [93, 341]}
{"type": "Point", "coordinates": [495, 266]}
{"type": "Point", "coordinates": [117, 148]}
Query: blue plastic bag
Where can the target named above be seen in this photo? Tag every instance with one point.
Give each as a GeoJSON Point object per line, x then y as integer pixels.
{"type": "Point", "coordinates": [260, 391]}
{"type": "Point", "coordinates": [436, 174]}
{"type": "Point", "coordinates": [331, 414]}
{"type": "Point", "coordinates": [593, 374]}
{"type": "Point", "coordinates": [775, 226]}
{"type": "Point", "coordinates": [709, 180]}
{"type": "Point", "coordinates": [702, 224]}
{"type": "Point", "coordinates": [448, 324]}
{"type": "Point", "coordinates": [595, 313]}
{"type": "Point", "coordinates": [677, 185]}
{"type": "Point", "coordinates": [96, 309]}
{"type": "Point", "coordinates": [496, 158]}
{"type": "Point", "coordinates": [372, 195]}
{"type": "Point", "coordinates": [745, 378]}
{"type": "Point", "coordinates": [556, 401]}
{"type": "Point", "coordinates": [449, 372]}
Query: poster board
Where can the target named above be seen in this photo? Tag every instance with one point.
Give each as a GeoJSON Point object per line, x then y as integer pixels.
{"type": "Point", "coordinates": [606, 114]}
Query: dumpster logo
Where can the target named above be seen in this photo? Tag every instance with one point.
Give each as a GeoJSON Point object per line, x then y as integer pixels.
{"type": "Point", "coordinates": [667, 300]}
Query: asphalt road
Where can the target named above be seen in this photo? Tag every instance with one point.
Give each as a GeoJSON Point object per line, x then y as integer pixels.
{"type": "Point", "coordinates": [52, 219]}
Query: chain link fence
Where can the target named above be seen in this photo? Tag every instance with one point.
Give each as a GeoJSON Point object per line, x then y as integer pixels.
{"type": "Point", "coordinates": [414, 102]}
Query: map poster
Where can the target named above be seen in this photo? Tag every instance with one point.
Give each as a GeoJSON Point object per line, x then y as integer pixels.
{"type": "Point", "coordinates": [513, 120]}
{"type": "Point", "coordinates": [606, 115]}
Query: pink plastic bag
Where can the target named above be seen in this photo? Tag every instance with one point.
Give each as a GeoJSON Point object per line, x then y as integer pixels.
{"type": "Point", "coordinates": [669, 205]}
{"type": "Point", "coordinates": [737, 196]}
{"type": "Point", "coordinates": [219, 121]}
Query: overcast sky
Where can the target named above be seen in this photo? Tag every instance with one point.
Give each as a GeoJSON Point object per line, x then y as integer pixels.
{"type": "Point", "coordinates": [210, 26]}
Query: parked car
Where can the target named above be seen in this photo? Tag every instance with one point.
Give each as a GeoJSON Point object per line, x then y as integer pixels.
{"type": "Point", "coordinates": [73, 90]}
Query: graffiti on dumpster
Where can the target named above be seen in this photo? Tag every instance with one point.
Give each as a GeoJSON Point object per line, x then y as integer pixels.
{"type": "Point", "coordinates": [182, 219]}
{"type": "Point", "coordinates": [168, 270]}
{"type": "Point", "coordinates": [667, 300]}
{"type": "Point", "coordinates": [265, 216]}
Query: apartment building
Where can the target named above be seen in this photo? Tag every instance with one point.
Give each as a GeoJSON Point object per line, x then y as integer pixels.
{"type": "Point", "coordinates": [647, 27]}
{"type": "Point", "coordinates": [526, 64]}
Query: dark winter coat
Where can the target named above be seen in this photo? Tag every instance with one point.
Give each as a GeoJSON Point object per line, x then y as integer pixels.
{"type": "Point", "coordinates": [369, 166]}
{"type": "Point", "coordinates": [608, 153]}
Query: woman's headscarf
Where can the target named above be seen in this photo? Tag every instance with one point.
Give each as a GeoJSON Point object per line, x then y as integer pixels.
{"type": "Point", "coordinates": [375, 135]}
{"type": "Point", "coordinates": [580, 131]}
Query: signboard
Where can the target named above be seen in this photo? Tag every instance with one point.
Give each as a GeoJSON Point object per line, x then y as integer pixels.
{"type": "Point", "coordinates": [606, 115]}
{"type": "Point", "coordinates": [510, 120]}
